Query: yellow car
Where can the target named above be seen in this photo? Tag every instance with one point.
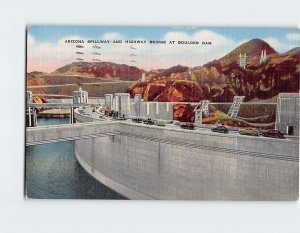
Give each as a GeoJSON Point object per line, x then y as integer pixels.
{"type": "Point", "coordinates": [250, 132]}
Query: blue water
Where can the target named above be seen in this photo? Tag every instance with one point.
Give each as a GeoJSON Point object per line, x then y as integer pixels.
{"type": "Point", "coordinates": [52, 171]}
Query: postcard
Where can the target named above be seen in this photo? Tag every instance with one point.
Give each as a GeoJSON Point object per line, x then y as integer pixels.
{"type": "Point", "coordinates": [162, 113]}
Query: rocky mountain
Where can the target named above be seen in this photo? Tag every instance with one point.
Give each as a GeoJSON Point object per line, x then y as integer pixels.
{"type": "Point", "coordinates": [220, 80]}
{"type": "Point", "coordinates": [252, 49]}
{"type": "Point", "coordinates": [34, 80]}
{"type": "Point", "coordinates": [37, 73]}
{"type": "Point", "coordinates": [106, 70]}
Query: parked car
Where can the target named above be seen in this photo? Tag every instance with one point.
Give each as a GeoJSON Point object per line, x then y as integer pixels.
{"type": "Point", "coordinates": [137, 120]}
{"type": "Point", "coordinates": [160, 123]}
{"type": "Point", "coordinates": [220, 129]}
{"type": "Point", "coordinates": [273, 133]}
{"type": "Point", "coordinates": [249, 131]}
{"type": "Point", "coordinates": [187, 125]}
{"type": "Point", "coordinates": [148, 121]}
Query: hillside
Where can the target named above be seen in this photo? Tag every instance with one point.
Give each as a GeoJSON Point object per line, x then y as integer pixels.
{"type": "Point", "coordinates": [107, 70]}
{"type": "Point", "coordinates": [222, 79]}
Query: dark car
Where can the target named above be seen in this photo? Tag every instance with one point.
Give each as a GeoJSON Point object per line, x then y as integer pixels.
{"type": "Point", "coordinates": [137, 120]}
{"type": "Point", "coordinates": [187, 125]}
{"type": "Point", "coordinates": [148, 121]}
{"type": "Point", "coordinates": [273, 133]}
{"type": "Point", "coordinates": [220, 129]}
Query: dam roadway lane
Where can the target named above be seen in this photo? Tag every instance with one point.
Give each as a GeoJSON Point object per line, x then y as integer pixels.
{"type": "Point", "coordinates": [172, 134]}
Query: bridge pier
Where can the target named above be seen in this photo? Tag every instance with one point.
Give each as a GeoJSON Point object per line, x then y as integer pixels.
{"type": "Point", "coordinates": [72, 115]}
{"type": "Point", "coordinates": [31, 117]}
{"type": "Point", "coordinates": [34, 116]}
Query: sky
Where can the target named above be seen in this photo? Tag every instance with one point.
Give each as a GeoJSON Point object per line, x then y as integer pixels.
{"type": "Point", "coordinates": [47, 49]}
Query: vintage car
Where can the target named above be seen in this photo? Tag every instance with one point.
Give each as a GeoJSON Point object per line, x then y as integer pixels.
{"type": "Point", "coordinates": [273, 133]}
{"type": "Point", "coordinates": [148, 121]}
{"type": "Point", "coordinates": [220, 129]}
{"type": "Point", "coordinates": [137, 120]}
{"type": "Point", "coordinates": [249, 131]}
{"type": "Point", "coordinates": [160, 123]}
{"type": "Point", "coordinates": [187, 125]}
{"type": "Point", "coordinates": [118, 116]}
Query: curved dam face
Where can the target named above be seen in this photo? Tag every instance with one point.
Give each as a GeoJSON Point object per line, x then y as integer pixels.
{"type": "Point", "coordinates": [151, 162]}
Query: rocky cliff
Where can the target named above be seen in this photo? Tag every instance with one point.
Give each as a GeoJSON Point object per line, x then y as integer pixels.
{"type": "Point", "coordinates": [220, 80]}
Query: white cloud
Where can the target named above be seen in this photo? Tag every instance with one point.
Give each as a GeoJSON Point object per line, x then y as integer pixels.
{"type": "Point", "coordinates": [280, 46]}
{"type": "Point", "coordinates": [293, 36]}
{"type": "Point", "coordinates": [50, 56]}
{"type": "Point", "coordinates": [190, 54]}
{"type": "Point", "coordinates": [273, 42]}
{"type": "Point", "coordinates": [112, 36]}
{"type": "Point", "coordinates": [30, 40]}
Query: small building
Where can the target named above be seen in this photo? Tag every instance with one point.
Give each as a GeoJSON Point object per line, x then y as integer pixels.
{"type": "Point", "coordinates": [287, 113]}
{"type": "Point", "coordinates": [80, 96]}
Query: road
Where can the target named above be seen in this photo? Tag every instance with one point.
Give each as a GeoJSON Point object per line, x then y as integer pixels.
{"type": "Point", "coordinates": [206, 129]}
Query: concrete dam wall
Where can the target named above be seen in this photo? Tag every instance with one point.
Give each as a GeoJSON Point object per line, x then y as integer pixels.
{"type": "Point", "coordinates": [150, 162]}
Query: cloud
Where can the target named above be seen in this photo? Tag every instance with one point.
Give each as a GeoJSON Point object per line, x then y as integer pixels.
{"type": "Point", "coordinates": [273, 42]}
{"type": "Point", "coordinates": [293, 37]}
{"type": "Point", "coordinates": [30, 40]}
{"type": "Point", "coordinates": [112, 36]}
{"type": "Point", "coordinates": [50, 56]}
{"type": "Point", "coordinates": [280, 46]}
{"type": "Point", "coordinates": [190, 54]}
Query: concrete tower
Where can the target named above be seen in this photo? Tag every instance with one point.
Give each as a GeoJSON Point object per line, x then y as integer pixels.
{"type": "Point", "coordinates": [108, 98]}
{"type": "Point", "coordinates": [122, 105]}
{"type": "Point", "coordinates": [137, 105]}
{"type": "Point", "coordinates": [80, 96]}
{"type": "Point", "coordinates": [287, 113]}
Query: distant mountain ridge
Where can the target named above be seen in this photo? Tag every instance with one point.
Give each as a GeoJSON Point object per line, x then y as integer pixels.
{"type": "Point", "coordinates": [107, 70]}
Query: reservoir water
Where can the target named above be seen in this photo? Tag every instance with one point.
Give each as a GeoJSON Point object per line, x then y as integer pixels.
{"type": "Point", "coordinates": [52, 171]}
